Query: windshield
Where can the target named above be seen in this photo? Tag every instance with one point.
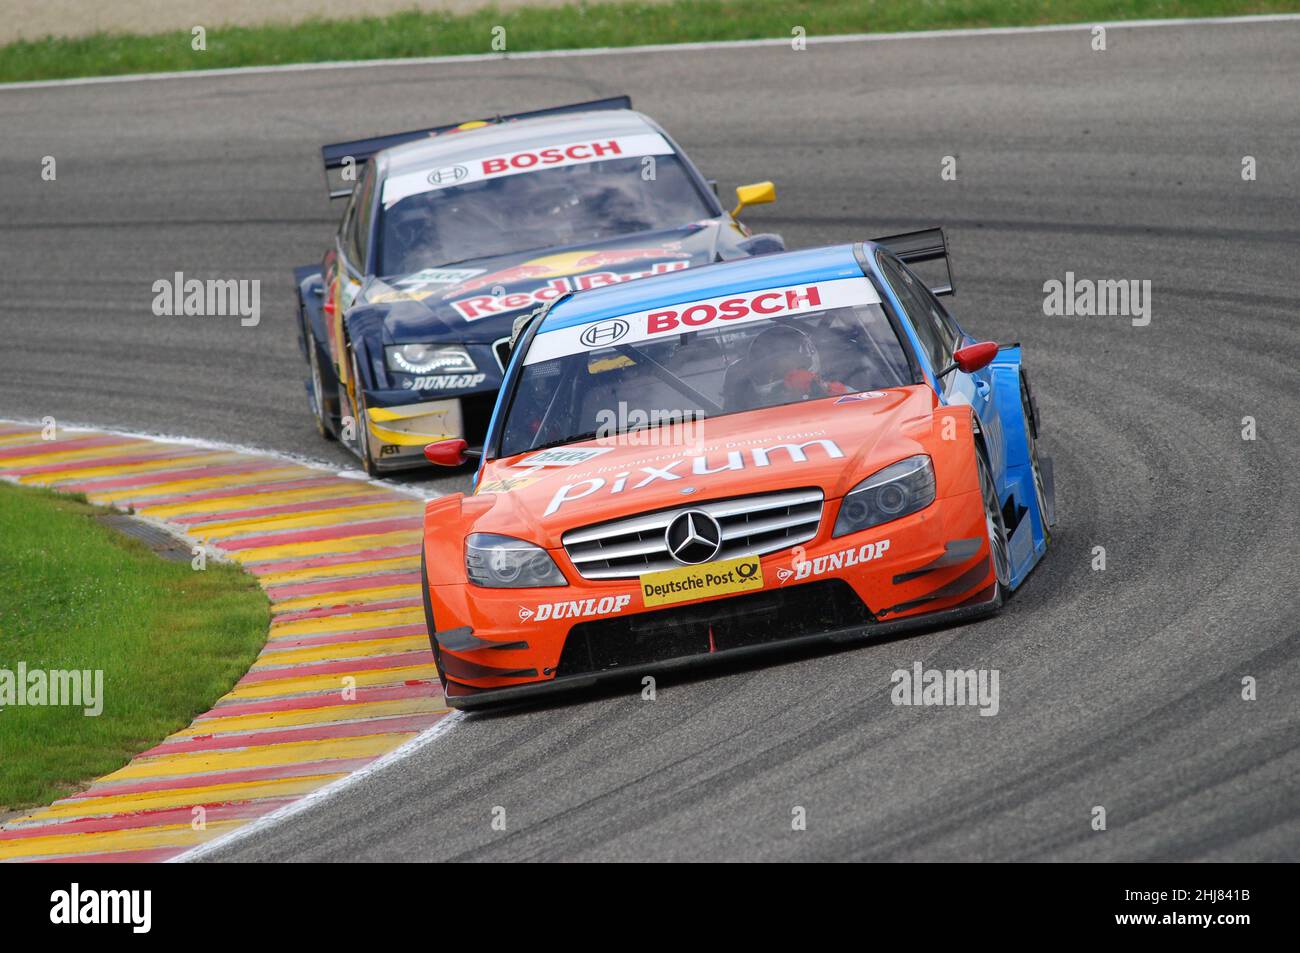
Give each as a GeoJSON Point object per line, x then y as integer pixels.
{"type": "Point", "coordinates": [698, 374]}
{"type": "Point", "coordinates": [565, 205]}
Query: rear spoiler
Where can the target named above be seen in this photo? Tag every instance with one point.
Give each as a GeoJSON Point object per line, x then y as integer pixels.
{"type": "Point", "coordinates": [927, 244]}
{"type": "Point", "coordinates": [336, 155]}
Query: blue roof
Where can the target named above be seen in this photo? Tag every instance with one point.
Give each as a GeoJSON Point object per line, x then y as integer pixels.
{"type": "Point", "coordinates": [706, 281]}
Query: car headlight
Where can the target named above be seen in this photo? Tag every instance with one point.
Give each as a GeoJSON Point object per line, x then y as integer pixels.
{"type": "Point", "coordinates": [901, 488]}
{"type": "Point", "coordinates": [429, 359]}
{"type": "Point", "coordinates": [502, 562]}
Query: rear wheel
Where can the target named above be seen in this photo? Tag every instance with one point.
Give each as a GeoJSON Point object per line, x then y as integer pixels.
{"type": "Point", "coordinates": [318, 390]}
{"type": "Point", "coordinates": [999, 549]}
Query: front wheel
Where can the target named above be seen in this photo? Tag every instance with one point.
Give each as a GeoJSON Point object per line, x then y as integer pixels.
{"type": "Point", "coordinates": [359, 420]}
{"type": "Point", "coordinates": [1031, 434]}
{"type": "Point", "coordinates": [995, 527]}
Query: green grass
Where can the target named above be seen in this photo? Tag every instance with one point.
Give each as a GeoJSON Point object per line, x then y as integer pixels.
{"type": "Point", "coordinates": [569, 27]}
{"type": "Point", "coordinates": [75, 594]}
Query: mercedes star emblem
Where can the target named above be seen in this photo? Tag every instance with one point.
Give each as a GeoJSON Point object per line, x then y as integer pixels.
{"type": "Point", "coordinates": [693, 537]}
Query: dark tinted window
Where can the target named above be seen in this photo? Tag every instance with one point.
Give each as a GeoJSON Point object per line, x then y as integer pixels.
{"type": "Point", "coordinates": [952, 335]}
{"type": "Point", "coordinates": [567, 205]}
{"type": "Point", "coordinates": [365, 213]}
{"type": "Point", "coordinates": [348, 223]}
{"type": "Point", "coordinates": [356, 225]}
{"type": "Point", "coordinates": [705, 373]}
{"type": "Point", "coordinates": [937, 334]}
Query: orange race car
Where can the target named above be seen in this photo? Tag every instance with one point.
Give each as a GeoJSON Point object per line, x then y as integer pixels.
{"type": "Point", "coordinates": [797, 447]}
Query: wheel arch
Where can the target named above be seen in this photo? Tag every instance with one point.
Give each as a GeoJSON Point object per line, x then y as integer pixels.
{"type": "Point", "coordinates": [1016, 482]}
{"type": "Point", "coordinates": [311, 314]}
{"type": "Point", "coordinates": [363, 330]}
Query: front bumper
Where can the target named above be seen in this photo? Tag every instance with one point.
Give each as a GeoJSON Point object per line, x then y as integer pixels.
{"type": "Point", "coordinates": [467, 698]}
{"type": "Point", "coordinates": [497, 645]}
{"type": "Point", "coordinates": [407, 412]}
{"type": "Point", "coordinates": [398, 433]}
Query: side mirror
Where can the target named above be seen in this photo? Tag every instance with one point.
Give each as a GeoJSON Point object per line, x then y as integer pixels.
{"type": "Point", "coordinates": [760, 193]}
{"type": "Point", "coordinates": [450, 453]}
{"type": "Point", "coordinates": [971, 358]}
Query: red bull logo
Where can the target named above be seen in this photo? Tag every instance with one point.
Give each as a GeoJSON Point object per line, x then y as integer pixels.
{"type": "Point", "coordinates": [567, 263]}
{"type": "Point", "coordinates": [483, 306]}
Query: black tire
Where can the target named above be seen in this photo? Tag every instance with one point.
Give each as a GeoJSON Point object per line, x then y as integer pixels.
{"type": "Point", "coordinates": [359, 417]}
{"type": "Point", "coordinates": [320, 380]}
{"type": "Point", "coordinates": [428, 622]}
{"type": "Point", "coordinates": [996, 528]}
{"type": "Point", "coordinates": [1031, 433]}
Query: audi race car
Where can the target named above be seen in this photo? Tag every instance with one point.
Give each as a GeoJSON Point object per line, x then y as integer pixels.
{"type": "Point", "coordinates": [452, 233]}
{"type": "Point", "coordinates": [797, 447]}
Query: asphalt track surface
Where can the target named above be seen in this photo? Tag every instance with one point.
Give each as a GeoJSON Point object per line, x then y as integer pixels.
{"type": "Point", "coordinates": [1119, 688]}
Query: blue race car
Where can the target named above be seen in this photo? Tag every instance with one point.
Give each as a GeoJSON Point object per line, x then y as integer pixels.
{"type": "Point", "coordinates": [798, 447]}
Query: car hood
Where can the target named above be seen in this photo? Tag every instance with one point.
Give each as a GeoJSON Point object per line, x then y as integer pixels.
{"type": "Point", "coordinates": [478, 301]}
{"type": "Point", "coordinates": [833, 444]}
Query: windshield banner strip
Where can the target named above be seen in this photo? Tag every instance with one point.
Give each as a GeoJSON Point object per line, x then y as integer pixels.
{"type": "Point", "coordinates": [398, 187]}
{"type": "Point", "coordinates": [709, 314]}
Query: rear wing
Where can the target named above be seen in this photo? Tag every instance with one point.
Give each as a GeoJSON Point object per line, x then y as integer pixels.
{"type": "Point", "coordinates": [338, 155]}
{"type": "Point", "coordinates": [927, 244]}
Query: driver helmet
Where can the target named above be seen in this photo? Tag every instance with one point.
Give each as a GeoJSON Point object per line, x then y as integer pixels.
{"type": "Point", "coordinates": [782, 356]}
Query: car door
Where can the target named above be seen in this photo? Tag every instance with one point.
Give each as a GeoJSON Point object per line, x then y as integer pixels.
{"type": "Point", "coordinates": [344, 267]}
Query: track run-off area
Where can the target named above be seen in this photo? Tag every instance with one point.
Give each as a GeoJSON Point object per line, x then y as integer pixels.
{"type": "Point", "coordinates": [346, 675]}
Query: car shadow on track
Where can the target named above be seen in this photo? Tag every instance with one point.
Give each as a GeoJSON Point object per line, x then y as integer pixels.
{"type": "Point", "coordinates": [708, 668]}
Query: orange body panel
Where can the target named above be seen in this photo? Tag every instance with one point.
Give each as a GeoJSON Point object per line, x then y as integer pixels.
{"type": "Point", "coordinates": [831, 444]}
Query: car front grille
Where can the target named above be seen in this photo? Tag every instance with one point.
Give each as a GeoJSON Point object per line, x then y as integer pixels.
{"type": "Point", "coordinates": [745, 621]}
{"type": "Point", "coordinates": [751, 526]}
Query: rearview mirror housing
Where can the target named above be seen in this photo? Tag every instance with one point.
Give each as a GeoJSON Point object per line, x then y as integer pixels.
{"type": "Point", "coordinates": [448, 453]}
{"type": "Point", "coordinates": [760, 193]}
{"type": "Point", "coordinates": [971, 358]}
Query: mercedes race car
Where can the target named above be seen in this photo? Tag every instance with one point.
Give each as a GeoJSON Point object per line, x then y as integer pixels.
{"type": "Point", "coordinates": [450, 234]}
{"type": "Point", "coordinates": [798, 447]}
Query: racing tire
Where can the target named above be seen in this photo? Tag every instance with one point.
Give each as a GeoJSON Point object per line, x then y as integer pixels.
{"type": "Point", "coordinates": [429, 623]}
{"type": "Point", "coordinates": [1031, 435]}
{"type": "Point", "coordinates": [995, 527]}
{"type": "Point", "coordinates": [359, 417]}
{"type": "Point", "coordinates": [318, 383]}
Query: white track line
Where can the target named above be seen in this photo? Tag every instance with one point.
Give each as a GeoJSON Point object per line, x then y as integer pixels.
{"type": "Point", "coordinates": [308, 801]}
{"type": "Point", "coordinates": [651, 48]}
